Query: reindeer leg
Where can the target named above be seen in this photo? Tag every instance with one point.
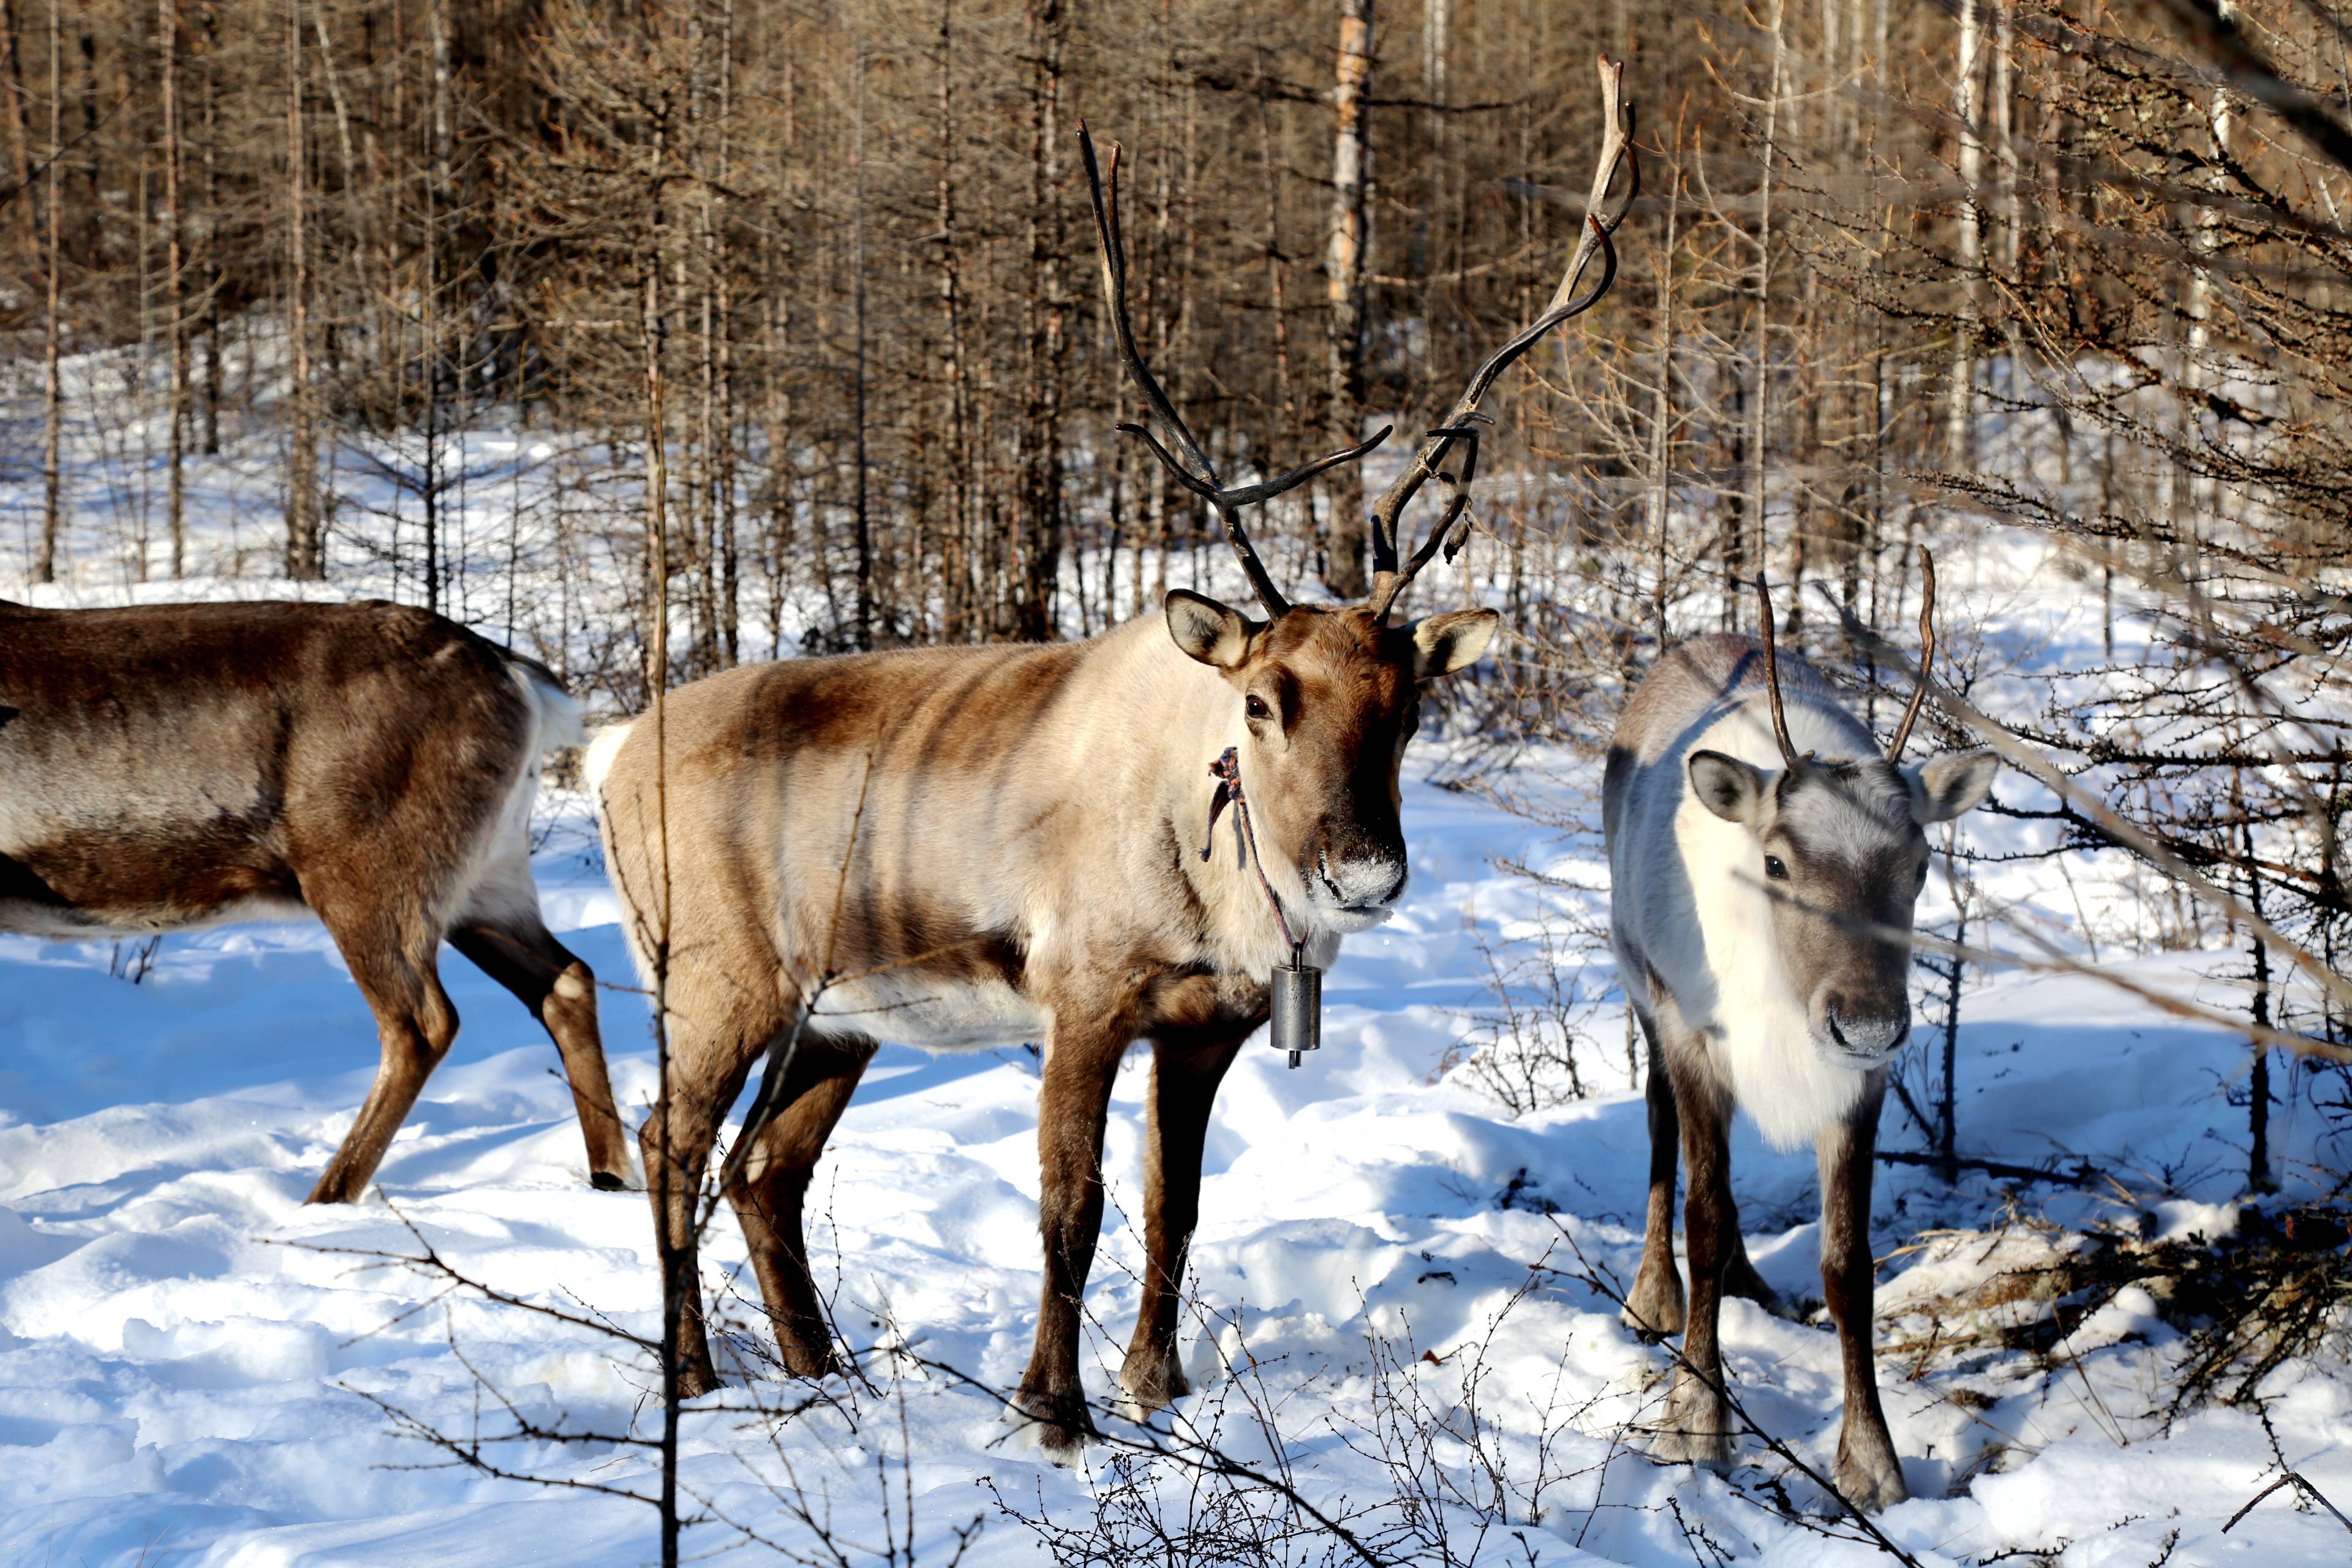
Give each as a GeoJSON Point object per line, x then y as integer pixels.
{"type": "Point", "coordinates": [1185, 1081]}
{"type": "Point", "coordinates": [1697, 1426]}
{"type": "Point", "coordinates": [518, 953]}
{"type": "Point", "coordinates": [1081, 1060]}
{"type": "Point", "coordinates": [718, 1028]}
{"type": "Point", "coordinates": [1867, 1471]}
{"type": "Point", "coordinates": [416, 1024]}
{"type": "Point", "coordinates": [1654, 1308]}
{"type": "Point", "coordinates": [1740, 1279]}
{"type": "Point", "coordinates": [771, 1185]}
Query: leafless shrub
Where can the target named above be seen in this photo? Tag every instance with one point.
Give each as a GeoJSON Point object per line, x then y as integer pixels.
{"type": "Point", "coordinates": [2276, 1290]}
{"type": "Point", "coordinates": [1533, 1047]}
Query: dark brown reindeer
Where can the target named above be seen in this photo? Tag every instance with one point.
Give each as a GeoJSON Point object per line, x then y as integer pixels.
{"type": "Point", "coordinates": [966, 847]}
{"type": "Point", "coordinates": [1760, 906]}
{"type": "Point", "coordinates": [178, 765]}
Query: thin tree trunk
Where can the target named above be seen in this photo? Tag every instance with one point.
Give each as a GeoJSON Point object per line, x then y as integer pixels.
{"type": "Point", "coordinates": [1039, 565]}
{"type": "Point", "coordinates": [654, 332]}
{"type": "Point", "coordinates": [864, 523]}
{"type": "Point", "coordinates": [956, 566]}
{"type": "Point", "coordinates": [175, 290]}
{"type": "Point", "coordinates": [730, 648]}
{"type": "Point", "coordinates": [210, 437]}
{"type": "Point", "coordinates": [2260, 1177]}
{"type": "Point", "coordinates": [52, 385]}
{"type": "Point", "coordinates": [305, 557]}
{"type": "Point", "coordinates": [1959, 443]}
{"type": "Point", "coordinates": [1662, 403]}
{"type": "Point", "coordinates": [437, 355]}
{"type": "Point", "coordinates": [20, 132]}
{"type": "Point", "coordinates": [1346, 254]}
{"type": "Point", "coordinates": [1760, 457]}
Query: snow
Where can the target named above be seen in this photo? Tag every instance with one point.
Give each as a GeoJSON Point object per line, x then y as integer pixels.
{"type": "Point", "coordinates": [185, 1379]}
{"type": "Point", "coordinates": [1393, 1302]}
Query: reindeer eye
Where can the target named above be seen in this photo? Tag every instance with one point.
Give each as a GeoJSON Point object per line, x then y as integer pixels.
{"type": "Point", "coordinates": [1256, 709]}
{"type": "Point", "coordinates": [1775, 869]}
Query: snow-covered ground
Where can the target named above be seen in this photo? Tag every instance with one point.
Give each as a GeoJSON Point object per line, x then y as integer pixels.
{"type": "Point", "coordinates": [185, 1379]}
{"type": "Point", "coordinates": [1394, 1303]}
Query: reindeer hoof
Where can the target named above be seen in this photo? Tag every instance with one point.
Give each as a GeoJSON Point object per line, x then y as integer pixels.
{"type": "Point", "coordinates": [1654, 1306]}
{"type": "Point", "coordinates": [1869, 1476]}
{"type": "Point", "coordinates": [1655, 1315]}
{"type": "Point", "coordinates": [1710, 1450]}
{"type": "Point", "coordinates": [1059, 1427]}
{"type": "Point", "coordinates": [1153, 1383]}
{"type": "Point", "coordinates": [1696, 1430]}
{"type": "Point", "coordinates": [606, 1182]}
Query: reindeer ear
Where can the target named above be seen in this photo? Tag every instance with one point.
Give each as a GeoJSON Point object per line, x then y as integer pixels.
{"type": "Point", "coordinates": [1455, 640]}
{"type": "Point", "coordinates": [1943, 787]}
{"type": "Point", "coordinates": [1205, 630]}
{"type": "Point", "coordinates": [1727, 786]}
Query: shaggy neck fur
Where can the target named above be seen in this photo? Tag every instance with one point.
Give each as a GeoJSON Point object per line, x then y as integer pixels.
{"type": "Point", "coordinates": [1179, 716]}
{"type": "Point", "coordinates": [1752, 1015]}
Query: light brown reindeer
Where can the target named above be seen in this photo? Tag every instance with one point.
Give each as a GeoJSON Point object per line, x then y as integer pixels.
{"type": "Point", "coordinates": [1760, 907]}
{"type": "Point", "coordinates": [176, 766]}
{"type": "Point", "coordinates": [973, 847]}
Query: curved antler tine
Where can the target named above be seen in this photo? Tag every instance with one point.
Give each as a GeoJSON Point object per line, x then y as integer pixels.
{"type": "Point", "coordinates": [1188, 462]}
{"type": "Point", "coordinates": [1168, 460]}
{"type": "Point", "coordinates": [1391, 575]}
{"type": "Point", "coordinates": [1267, 489]}
{"type": "Point", "coordinates": [1502, 358]}
{"type": "Point", "coordinates": [1261, 581]}
{"type": "Point", "coordinates": [1114, 272]}
{"type": "Point", "coordinates": [1926, 655]}
{"type": "Point", "coordinates": [1773, 675]}
{"type": "Point", "coordinates": [1390, 584]}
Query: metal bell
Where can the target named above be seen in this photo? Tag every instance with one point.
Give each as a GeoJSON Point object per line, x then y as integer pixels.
{"type": "Point", "coordinates": [1298, 1008]}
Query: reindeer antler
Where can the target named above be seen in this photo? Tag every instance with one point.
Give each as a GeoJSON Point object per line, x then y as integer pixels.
{"type": "Point", "coordinates": [1926, 655]}
{"type": "Point", "coordinates": [1601, 216]}
{"type": "Point", "coordinates": [1773, 674]}
{"type": "Point", "coordinates": [1188, 462]}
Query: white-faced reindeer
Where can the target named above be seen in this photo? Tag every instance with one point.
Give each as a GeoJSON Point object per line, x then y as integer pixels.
{"type": "Point", "coordinates": [1764, 856]}
{"type": "Point", "coordinates": [169, 766]}
{"type": "Point", "coordinates": [973, 847]}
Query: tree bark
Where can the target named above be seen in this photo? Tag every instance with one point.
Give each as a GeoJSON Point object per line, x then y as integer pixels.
{"type": "Point", "coordinates": [1039, 566]}
{"type": "Point", "coordinates": [305, 556]}
{"type": "Point", "coordinates": [1959, 439]}
{"type": "Point", "coordinates": [175, 280]}
{"type": "Point", "coordinates": [52, 385]}
{"type": "Point", "coordinates": [20, 132]}
{"type": "Point", "coordinates": [1345, 250]}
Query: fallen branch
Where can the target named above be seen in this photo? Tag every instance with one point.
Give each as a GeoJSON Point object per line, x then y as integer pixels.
{"type": "Point", "coordinates": [2082, 1176]}
{"type": "Point", "coordinates": [2300, 1485]}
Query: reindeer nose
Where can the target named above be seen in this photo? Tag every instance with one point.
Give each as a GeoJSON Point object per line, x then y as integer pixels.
{"type": "Point", "coordinates": [1360, 883]}
{"type": "Point", "coordinates": [1862, 1029]}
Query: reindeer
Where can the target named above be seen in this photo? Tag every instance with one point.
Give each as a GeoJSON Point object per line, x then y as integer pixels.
{"type": "Point", "coordinates": [171, 766]}
{"type": "Point", "coordinates": [964, 848]}
{"type": "Point", "coordinates": [1760, 907]}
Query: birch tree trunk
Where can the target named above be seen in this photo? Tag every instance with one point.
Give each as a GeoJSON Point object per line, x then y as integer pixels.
{"type": "Point", "coordinates": [1344, 254]}
{"type": "Point", "coordinates": [1959, 443]}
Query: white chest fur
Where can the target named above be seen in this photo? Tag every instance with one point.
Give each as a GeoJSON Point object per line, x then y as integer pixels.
{"type": "Point", "coordinates": [1758, 1033]}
